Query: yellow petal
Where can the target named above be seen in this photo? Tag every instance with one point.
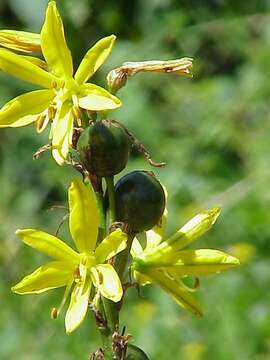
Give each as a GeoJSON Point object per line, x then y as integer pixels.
{"type": "Point", "coordinates": [105, 278]}
{"type": "Point", "coordinates": [141, 279]}
{"type": "Point", "coordinates": [177, 291]}
{"type": "Point", "coordinates": [201, 262]}
{"type": "Point", "coordinates": [21, 68]}
{"type": "Point", "coordinates": [53, 44]}
{"type": "Point", "coordinates": [96, 98]}
{"type": "Point", "coordinates": [36, 61]}
{"type": "Point", "coordinates": [94, 58]}
{"type": "Point", "coordinates": [25, 108]}
{"type": "Point", "coordinates": [20, 40]}
{"type": "Point", "coordinates": [136, 248]}
{"type": "Point", "coordinates": [192, 230]}
{"type": "Point", "coordinates": [84, 215]}
{"type": "Point", "coordinates": [48, 244]}
{"type": "Point", "coordinates": [78, 306]}
{"type": "Point", "coordinates": [114, 243]}
{"type": "Point", "coordinates": [62, 132]}
{"type": "Point", "coordinates": [155, 235]}
{"type": "Point", "coordinates": [49, 276]}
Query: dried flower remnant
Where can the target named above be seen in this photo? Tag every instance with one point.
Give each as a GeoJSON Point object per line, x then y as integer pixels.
{"type": "Point", "coordinates": [117, 78]}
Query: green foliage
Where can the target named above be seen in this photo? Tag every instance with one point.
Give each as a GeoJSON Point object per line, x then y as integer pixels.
{"type": "Point", "coordinates": [213, 131]}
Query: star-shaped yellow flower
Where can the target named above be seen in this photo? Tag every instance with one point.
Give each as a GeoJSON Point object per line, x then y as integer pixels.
{"type": "Point", "coordinates": [164, 262]}
{"type": "Point", "coordinates": [77, 270]}
{"type": "Point", "coordinates": [64, 94]}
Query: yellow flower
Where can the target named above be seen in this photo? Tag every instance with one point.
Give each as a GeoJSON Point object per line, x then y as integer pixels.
{"type": "Point", "coordinates": [165, 263]}
{"type": "Point", "coordinates": [77, 270]}
{"type": "Point", "coordinates": [64, 94]}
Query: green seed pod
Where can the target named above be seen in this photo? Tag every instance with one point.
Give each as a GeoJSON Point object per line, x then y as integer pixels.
{"type": "Point", "coordinates": [135, 353]}
{"type": "Point", "coordinates": [139, 200]}
{"type": "Point", "coordinates": [104, 148]}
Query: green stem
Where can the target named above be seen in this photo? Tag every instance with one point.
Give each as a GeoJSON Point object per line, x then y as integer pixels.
{"type": "Point", "coordinates": [111, 313]}
{"type": "Point", "coordinates": [110, 308]}
{"type": "Point", "coordinates": [102, 225]}
{"type": "Point", "coordinates": [123, 257]}
{"type": "Point", "coordinates": [110, 187]}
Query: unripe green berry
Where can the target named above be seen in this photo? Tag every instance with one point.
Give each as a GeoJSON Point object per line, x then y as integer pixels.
{"type": "Point", "coordinates": [139, 200]}
{"type": "Point", "coordinates": [104, 148]}
{"type": "Point", "coordinates": [135, 353]}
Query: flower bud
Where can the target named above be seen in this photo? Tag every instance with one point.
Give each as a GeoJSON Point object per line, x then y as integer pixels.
{"type": "Point", "coordinates": [139, 200]}
{"type": "Point", "coordinates": [104, 148]}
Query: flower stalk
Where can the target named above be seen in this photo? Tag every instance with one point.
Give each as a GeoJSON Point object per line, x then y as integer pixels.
{"type": "Point", "coordinates": [93, 271]}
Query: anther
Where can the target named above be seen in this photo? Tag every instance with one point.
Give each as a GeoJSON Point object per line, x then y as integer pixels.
{"type": "Point", "coordinates": [100, 278]}
{"type": "Point", "coordinates": [40, 122]}
{"type": "Point", "coordinates": [54, 84]}
{"type": "Point", "coordinates": [51, 112]}
{"type": "Point", "coordinates": [76, 273]}
{"type": "Point", "coordinates": [54, 313]}
{"type": "Point", "coordinates": [196, 283]}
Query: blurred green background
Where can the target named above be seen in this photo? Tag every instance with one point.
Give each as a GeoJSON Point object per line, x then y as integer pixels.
{"type": "Point", "coordinates": [213, 131]}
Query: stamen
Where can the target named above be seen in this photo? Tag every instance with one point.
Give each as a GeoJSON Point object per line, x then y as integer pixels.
{"type": "Point", "coordinates": [77, 115]}
{"type": "Point", "coordinates": [100, 278]}
{"type": "Point", "coordinates": [54, 84]}
{"type": "Point", "coordinates": [197, 283]}
{"type": "Point", "coordinates": [41, 122]}
{"type": "Point", "coordinates": [51, 112]}
{"type": "Point", "coordinates": [55, 312]}
{"type": "Point", "coordinates": [76, 273]}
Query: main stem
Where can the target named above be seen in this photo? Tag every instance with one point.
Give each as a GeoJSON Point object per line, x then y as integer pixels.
{"type": "Point", "coordinates": [110, 188]}
{"type": "Point", "coordinates": [110, 308]}
{"type": "Point", "coordinates": [123, 258]}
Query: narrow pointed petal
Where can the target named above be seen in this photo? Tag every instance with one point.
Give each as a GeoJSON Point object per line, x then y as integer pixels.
{"type": "Point", "coordinates": [201, 262]}
{"type": "Point", "coordinates": [25, 108]}
{"type": "Point", "coordinates": [84, 215]}
{"type": "Point", "coordinates": [53, 44]}
{"type": "Point", "coordinates": [136, 248]}
{"type": "Point", "coordinates": [154, 236]}
{"type": "Point", "coordinates": [96, 98]}
{"type": "Point", "coordinates": [49, 276]}
{"type": "Point", "coordinates": [141, 279]}
{"type": "Point", "coordinates": [23, 41]}
{"type": "Point", "coordinates": [94, 58]}
{"type": "Point", "coordinates": [192, 230]}
{"type": "Point", "coordinates": [36, 61]}
{"type": "Point", "coordinates": [178, 292]}
{"type": "Point", "coordinates": [48, 244]}
{"type": "Point", "coordinates": [106, 279]}
{"type": "Point", "coordinates": [114, 243]}
{"type": "Point", "coordinates": [62, 132]}
{"type": "Point", "coordinates": [23, 69]}
{"type": "Point", "coordinates": [78, 306]}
